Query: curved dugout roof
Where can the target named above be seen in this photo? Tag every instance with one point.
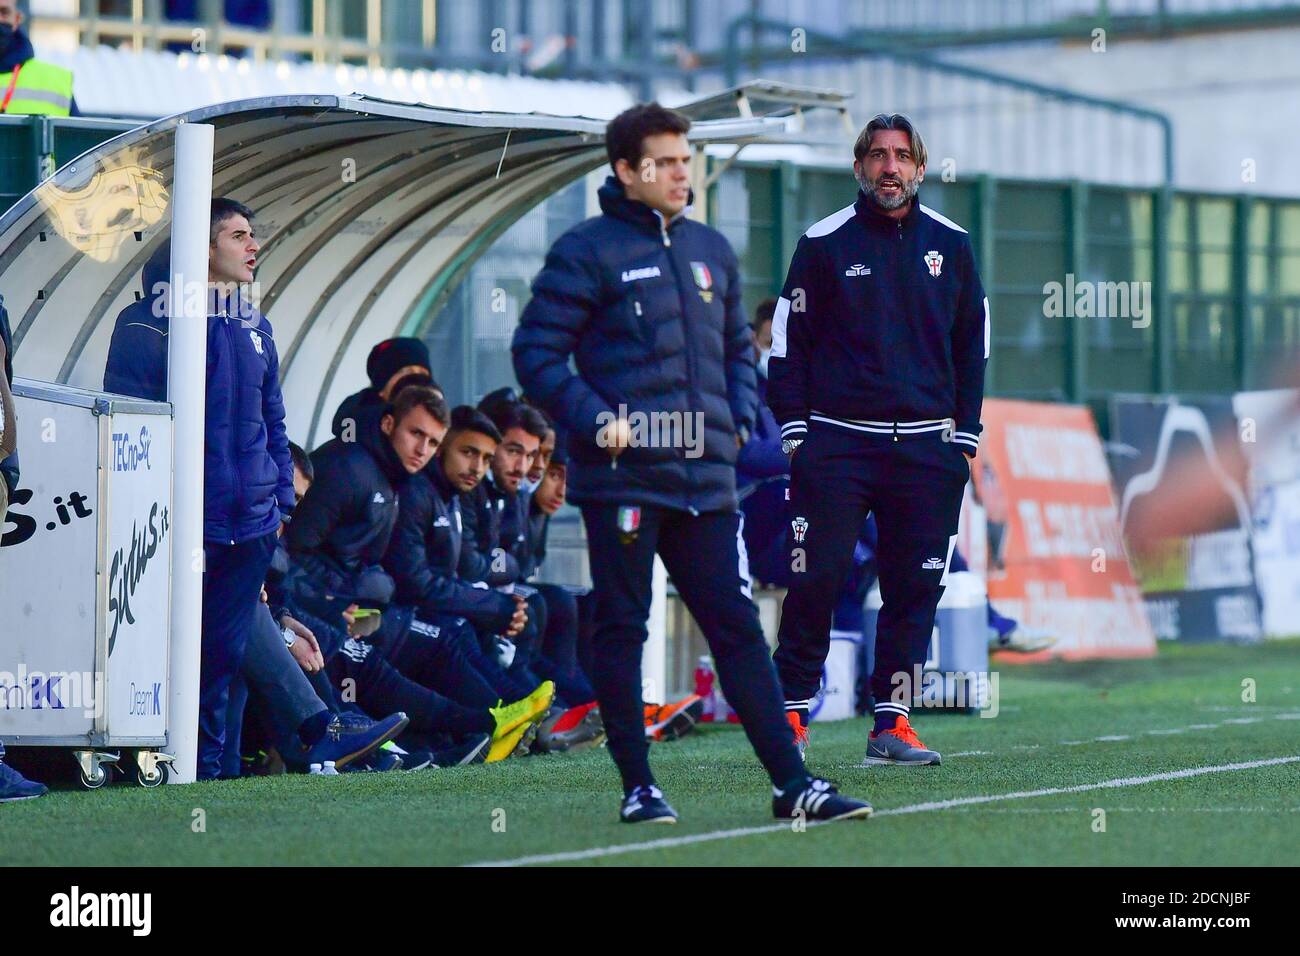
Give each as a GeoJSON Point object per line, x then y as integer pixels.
{"type": "Point", "coordinates": [368, 211]}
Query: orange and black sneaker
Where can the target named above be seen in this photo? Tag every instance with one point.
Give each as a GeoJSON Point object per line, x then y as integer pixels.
{"type": "Point", "coordinates": [800, 731]}
{"type": "Point", "coordinates": [899, 745]}
{"type": "Point", "coordinates": [671, 721]}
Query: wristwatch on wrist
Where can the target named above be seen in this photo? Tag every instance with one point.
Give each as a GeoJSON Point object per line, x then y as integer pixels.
{"type": "Point", "coordinates": [788, 445]}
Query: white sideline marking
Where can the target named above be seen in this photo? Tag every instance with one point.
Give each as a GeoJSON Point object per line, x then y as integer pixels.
{"type": "Point", "coordinates": [1084, 787]}
{"type": "Point", "coordinates": [670, 842]}
{"type": "Point", "coordinates": [1110, 738]}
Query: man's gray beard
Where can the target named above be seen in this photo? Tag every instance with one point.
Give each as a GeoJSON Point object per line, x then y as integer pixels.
{"type": "Point", "coordinates": [905, 195]}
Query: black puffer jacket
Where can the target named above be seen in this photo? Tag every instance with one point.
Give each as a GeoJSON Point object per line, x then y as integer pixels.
{"type": "Point", "coordinates": [350, 407]}
{"type": "Point", "coordinates": [425, 554]}
{"type": "Point", "coordinates": [650, 310]}
{"type": "Point", "coordinates": [342, 528]}
{"type": "Point", "coordinates": [482, 558]}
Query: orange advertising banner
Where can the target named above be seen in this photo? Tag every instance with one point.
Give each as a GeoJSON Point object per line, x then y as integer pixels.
{"type": "Point", "coordinates": [1055, 557]}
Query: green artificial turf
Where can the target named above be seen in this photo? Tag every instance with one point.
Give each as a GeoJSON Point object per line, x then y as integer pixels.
{"type": "Point", "coordinates": [1042, 738]}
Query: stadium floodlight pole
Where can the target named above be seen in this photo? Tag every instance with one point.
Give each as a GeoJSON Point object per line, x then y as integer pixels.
{"type": "Point", "coordinates": [186, 390]}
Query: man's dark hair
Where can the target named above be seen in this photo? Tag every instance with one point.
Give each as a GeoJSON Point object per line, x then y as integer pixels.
{"type": "Point", "coordinates": [508, 415]}
{"type": "Point", "coordinates": [467, 418]}
{"type": "Point", "coordinates": [625, 135]}
{"type": "Point", "coordinates": [419, 396]}
{"type": "Point", "coordinates": [491, 403]}
{"type": "Point", "coordinates": [550, 422]}
{"type": "Point", "coordinates": [898, 121]}
{"type": "Point", "coordinates": [302, 462]}
{"type": "Point", "coordinates": [764, 313]}
{"type": "Point", "coordinates": [222, 209]}
{"type": "Point", "coordinates": [413, 380]}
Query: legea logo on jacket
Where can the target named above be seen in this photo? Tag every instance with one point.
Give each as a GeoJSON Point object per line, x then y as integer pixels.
{"type": "Point", "coordinates": [858, 269]}
{"type": "Point", "coordinates": [649, 272]}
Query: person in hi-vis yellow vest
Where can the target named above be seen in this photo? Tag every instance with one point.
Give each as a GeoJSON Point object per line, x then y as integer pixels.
{"type": "Point", "coordinates": [28, 86]}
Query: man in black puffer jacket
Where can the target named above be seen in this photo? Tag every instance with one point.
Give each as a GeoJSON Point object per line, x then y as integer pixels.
{"type": "Point", "coordinates": [425, 554]}
{"type": "Point", "coordinates": [647, 301]}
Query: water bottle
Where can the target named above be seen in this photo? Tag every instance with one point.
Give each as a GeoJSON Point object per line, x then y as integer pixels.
{"type": "Point", "coordinates": [329, 770]}
{"type": "Point", "coordinates": [704, 681]}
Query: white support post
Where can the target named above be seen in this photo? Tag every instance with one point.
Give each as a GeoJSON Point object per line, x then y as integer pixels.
{"type": "Point", "coordinates": [186, 390]}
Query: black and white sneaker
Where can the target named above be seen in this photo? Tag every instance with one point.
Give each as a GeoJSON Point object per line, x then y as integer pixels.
{"type": "Point", "coordinates": [472, 749]}
{"type": "Point", "coordinates": [646, 805]}
{"type": "Point", "coordinates": [417, 760]}
{"type": "Point", "coordinates": [817, 799]}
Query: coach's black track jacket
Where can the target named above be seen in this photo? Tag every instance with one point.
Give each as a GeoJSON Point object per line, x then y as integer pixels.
{"type": "Point", "coordinates": [882, 326]}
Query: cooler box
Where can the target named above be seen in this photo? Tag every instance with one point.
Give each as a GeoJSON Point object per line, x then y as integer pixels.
{"type": "Point", "coordinates": [958, 655]}
{"type": "Point", "coordinates": [839, 678]}
{"type": "Point", "coordinates": [85, 572]}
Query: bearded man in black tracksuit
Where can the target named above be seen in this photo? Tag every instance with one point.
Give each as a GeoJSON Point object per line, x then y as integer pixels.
{"type": "Point", "coordinates": [876, 376]}
{"type": "Point", "coordinates": [647, 302]}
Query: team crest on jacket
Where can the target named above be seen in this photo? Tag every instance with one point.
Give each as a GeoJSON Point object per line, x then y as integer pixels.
{"type": "Point", "coordinates": [257, 341]}
{"type": "Point", "coordinates": [703, 279]}
{"type": "Point", "coordinates": [800, 527]}
{"type": "Point", "coordinates": [934, 261]}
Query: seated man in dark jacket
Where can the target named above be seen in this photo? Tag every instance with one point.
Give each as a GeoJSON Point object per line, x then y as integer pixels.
{"type": "Point", "coordinates": [496, 516]}
{"type": "Point", "coordinates": [283, 687]}
{"type": "Point", "coordinates": [425, 554]}
{"type": "Point", "coordinates": [247, 471]}
{"type": "Point", "coordinates": [341, 534]}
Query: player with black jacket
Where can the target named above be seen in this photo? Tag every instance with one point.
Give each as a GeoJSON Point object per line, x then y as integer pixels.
{"type": "Point", "coordinates": [646, 301]}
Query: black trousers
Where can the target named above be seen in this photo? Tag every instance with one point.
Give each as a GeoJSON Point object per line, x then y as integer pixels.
{"type": "Point", "coordinates": [914, 486]}
{"type": "Point", "coordinates": [705, 557]}
{"type": "Point", "coordinates": [558, 660]}
{"type": "Point", "coordinates": [360, 673]}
